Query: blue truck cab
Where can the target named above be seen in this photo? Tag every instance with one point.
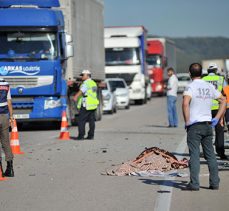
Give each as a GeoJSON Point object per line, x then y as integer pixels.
{"type": "Point", "coordinates": [32, 58]}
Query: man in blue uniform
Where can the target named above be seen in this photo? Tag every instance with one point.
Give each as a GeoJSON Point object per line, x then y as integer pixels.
{"type": "Point", "coordinates": [6, 114]}
{"type": "Point", "coordinates": [219, 83]}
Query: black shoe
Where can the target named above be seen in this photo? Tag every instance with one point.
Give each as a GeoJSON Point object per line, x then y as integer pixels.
{"type": "Point", "coordinates": [169, 126]}
{"type": "Point", "coordinates": [214, 187]}
{"type": "Point", "coordinates": [190, 188]}
{"type": "Point", "coordinates": [223, 157]}
{"type": "Point", "coordinates": [90, 138]}
{"type": "Point", "coordinates": [9, 169]}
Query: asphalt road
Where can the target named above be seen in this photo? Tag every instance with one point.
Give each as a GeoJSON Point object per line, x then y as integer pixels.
{"type": "Point", "coordinates": [66, 175]}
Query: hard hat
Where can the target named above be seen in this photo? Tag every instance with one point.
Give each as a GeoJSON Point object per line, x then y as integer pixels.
{"type": "Point", "coordinates": [213, 66]}
{"type": "Point", "coordinates": [85, 72]}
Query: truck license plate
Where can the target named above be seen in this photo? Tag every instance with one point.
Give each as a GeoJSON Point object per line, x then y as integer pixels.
{"type": "Point", "coordinates": [21, 116]}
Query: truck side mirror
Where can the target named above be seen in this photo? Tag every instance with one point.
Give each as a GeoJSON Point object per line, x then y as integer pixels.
{"type": "Point", "coordinates": [69, 51]}
{"type": "Point", "coordinates": [68, 38]}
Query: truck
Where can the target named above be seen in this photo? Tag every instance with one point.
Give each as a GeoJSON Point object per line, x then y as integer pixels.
{"type": "Point", "coordinates": [44, 45]}
{"type": "Point", "coordinates": [161, 53]}
{"type": "Point", "coordinates": [125, 57]}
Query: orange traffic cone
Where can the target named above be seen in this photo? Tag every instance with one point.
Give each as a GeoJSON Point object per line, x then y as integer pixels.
{"type": "Point", "coordinates": [14, 140]}
{"type": "Point", "coordinates": [1, 175]}
{"type": "Point", "coordinates": [64, 133]}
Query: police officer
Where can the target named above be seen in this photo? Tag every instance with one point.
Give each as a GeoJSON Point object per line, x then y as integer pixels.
{"type": "Point", "coordinates": [87, 105]}
{"type": "Point", "coordinates": [219, 83]}
{"type": "Point", "coordinates": [196, 106]}
{"type": "Point", "coordinates": [6, 114]}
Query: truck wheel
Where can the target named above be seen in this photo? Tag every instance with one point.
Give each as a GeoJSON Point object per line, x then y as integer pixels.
{"type": "Point", "coordinates": [145, 99]}
{"type": "Point", "coordinates": [98, 113]}
{"type": "Point", "coordinates": [139, 102]}
{"type": "Point", "coordinates": [111, 111]}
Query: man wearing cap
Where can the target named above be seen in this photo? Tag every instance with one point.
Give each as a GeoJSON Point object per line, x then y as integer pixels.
{"type": "Point", "coordinates": [87, 103]}
{"type": "Point", "coordinates": [6, 114]}
{"type": "Point", "coordinates": [219, 84]}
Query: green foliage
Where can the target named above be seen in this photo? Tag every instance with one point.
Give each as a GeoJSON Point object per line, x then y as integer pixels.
{"type": "Point", "coordinates": [195, 49]}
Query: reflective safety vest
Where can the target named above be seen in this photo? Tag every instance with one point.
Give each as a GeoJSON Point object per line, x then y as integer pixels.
{"type": "Point", "coordinates": [90, 97]}
{"type": "Point", "coordinates": [217, 82]}
{"type": "Point", "coordinates": [226, 92]}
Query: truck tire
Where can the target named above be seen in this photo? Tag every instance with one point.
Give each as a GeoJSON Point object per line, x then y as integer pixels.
{"type": "Point", "coordinates": [128, 106]}
{"type": "Point", "coordinates": [139, 102]}
{"type": "Point", "coordinates": [98, 113]}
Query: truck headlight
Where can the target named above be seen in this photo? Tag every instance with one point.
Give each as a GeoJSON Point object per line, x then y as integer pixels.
{"type": "Point", "coordinates": [49, 104]}
{"type": "Point", "coordinates": [159, 87]}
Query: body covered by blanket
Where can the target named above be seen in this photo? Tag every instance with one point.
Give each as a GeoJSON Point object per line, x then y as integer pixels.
{"type": "Point", "coordinates": [150, 159]}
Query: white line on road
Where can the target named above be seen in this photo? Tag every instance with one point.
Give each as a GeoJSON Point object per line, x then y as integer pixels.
{"type": "Point", "coordinates": [163, 201]}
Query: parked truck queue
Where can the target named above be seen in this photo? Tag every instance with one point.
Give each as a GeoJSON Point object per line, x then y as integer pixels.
{"type": "Point", "coordinates": [61, 66]}
{"type": "Point", "coordinates": [42, 58]}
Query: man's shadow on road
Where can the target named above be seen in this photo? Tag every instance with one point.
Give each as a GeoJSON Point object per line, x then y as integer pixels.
{"type": "Point", "coordinates": [169, 183]}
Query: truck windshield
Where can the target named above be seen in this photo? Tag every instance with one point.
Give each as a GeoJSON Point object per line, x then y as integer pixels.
{"type": "Point", "coordinates": [154, 60]}
{"type": "Point", "coordinates": [122, 56]}
{"type": "Point", "coordinates": [28, 46]}
{"type": "Point", "coordinates": [127, 77]}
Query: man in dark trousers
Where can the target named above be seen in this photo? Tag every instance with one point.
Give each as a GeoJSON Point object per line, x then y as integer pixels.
{"type": "Point", "coordinates": [196, 106]}
{"type": "Point", "coordinates": [6, 115]}
{"type": "Point", "coordinates": [218, 82]}
{"type": "Point", "coordinates": [87, 105]}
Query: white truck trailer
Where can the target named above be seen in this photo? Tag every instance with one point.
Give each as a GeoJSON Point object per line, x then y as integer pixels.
{"type": "Point", "coordinates": [84, 21]}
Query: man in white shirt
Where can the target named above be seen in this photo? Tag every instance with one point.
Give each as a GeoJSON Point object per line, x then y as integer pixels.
{"type": "Point", "coordinates": [196, 106]}
{"type": "Point", "coordinates": [172, 98]}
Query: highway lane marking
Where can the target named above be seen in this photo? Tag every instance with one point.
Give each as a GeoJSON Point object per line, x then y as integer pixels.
{"type": "Point", "coordinates": [163, 202]}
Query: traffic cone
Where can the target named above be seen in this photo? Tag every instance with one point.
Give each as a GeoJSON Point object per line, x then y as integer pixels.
{"type": "Point", "coordinates": [64, 133]}
{"type": "Point", "coordinates": [14, 140]}
{"type": "Point", "coordinates": [1, 175]}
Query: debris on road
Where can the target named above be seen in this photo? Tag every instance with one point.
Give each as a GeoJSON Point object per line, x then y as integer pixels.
{"type": "Point", "coordinates": [151, 159]}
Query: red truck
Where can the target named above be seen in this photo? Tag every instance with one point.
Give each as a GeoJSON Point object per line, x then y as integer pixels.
{"type": "Point", "coordinates": [161, 53]}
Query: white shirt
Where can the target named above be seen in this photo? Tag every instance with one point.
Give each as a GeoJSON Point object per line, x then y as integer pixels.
{"type": "Point", "coordinates": [202, 94]}
{"type": "Point", "coordinates": [172, 86]}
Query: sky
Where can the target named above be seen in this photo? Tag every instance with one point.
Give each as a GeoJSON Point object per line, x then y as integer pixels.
{"type": "Point", "coordinates": [172, 18]}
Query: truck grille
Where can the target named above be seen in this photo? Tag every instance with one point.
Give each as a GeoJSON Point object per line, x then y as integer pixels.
{"type": "Point", "coordinates": [27, 82]}
{"type": "Point", "coordinates": [22, 105]}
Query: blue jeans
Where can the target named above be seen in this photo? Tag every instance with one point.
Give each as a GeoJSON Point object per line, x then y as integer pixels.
{"type": "Point", "coordinates": [172, 111]}
{"type": "Point", "coordinates": [201, 133]}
